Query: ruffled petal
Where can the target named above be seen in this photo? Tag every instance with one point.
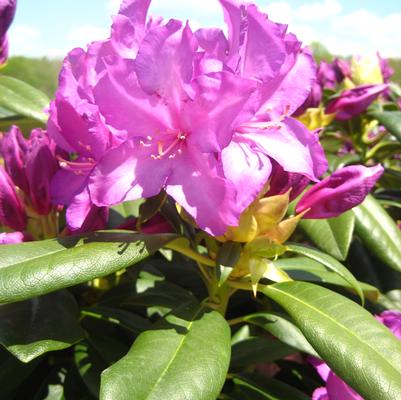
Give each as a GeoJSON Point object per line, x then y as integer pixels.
{"type": "Point", "coordinates": [247, 168]}
{"type": "Point", "coordinates": [197, 186]}
{"type": "Point", "coordinates": [128, 172]}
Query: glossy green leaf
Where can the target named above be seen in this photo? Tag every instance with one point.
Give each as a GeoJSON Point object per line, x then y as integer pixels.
{"type": "Point", "coordinates": [357, 348]}
{"type": "Point", "coordinates": [255, 387]}
{"type": "Point", "coordinates": [23, 99]}
{"type": "Point", "coordinates": [256, 350]}
{"type": "Point", "coordinates": [329, 262]}
{"type": "Point", "coordinates": [391, 120]}
{"type": "Point", "coordinates": [282, 328]}
{"type": "Point", "coordinates": [118, 316]}
{"type": "Point", "coordinates": [36, 268]}
{"type": "Point", "coordinates": [185, 357]}
{"type": "Point", "coordinates": [333, 235]}
{"type": "Point", "coordinates": [379, 232]}
{"type": "Point", "coordinates": [31, 328]}
{"type": "Point", "coordinates": [306, 269]}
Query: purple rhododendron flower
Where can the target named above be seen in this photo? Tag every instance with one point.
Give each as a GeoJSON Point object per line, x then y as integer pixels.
{"type": "Point", "coordinates": [77, 127]}
{"type": "Point", "coordinates": [31, 164]}
{"type": "Point", "coordinates": [327, 75]}
{"type": "Point", "coordinates": [12, 211]}
{"type": "Point", "coordinates": [391, 319]}
{"type": "Point", "coordinates": [199, 115]}
{"type": "Point", "coordinates": [342, 69]}
{"type": "Point", "coordinates": [386, 70]}
{"type": "Point", "coordinates": [336, 388]}
{"type": "Point", "coordinates": [7, 12]}
{"type": "Point", "coordinates": [341, 191]}
{"type": "Point", "coordinates": [354, 101]}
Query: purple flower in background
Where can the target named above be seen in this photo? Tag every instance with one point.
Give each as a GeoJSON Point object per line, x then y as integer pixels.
{"type": "Point", "coordinates": [199, 115]}
{"type": "Point", "coordinates": [31, 164]}
{"type": "Point", "coordinates": [386, 70]}
{"type": "Point", "coordinates": [12, 212]}
{"type": "Point", "coordinates": [354, 101]}
{"type": "Point", "coordinates": [341, 191]}
{"type": "Point", "coordinates": [14, 237]}
{"type": "Point", "coordinates": [342, 69]}
{"type": "Point", "coordinates": [7, 12]}
{"type": "Point", "coordinates": [327, 75]}
{"type": "Point", "coordinates": [391, 319]}
{"type": "Point", "coordinates": [336, 388]}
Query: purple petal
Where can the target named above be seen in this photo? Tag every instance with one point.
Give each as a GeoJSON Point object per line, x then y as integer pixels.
{"type": "Point", "coordinates": [65, 185]}
{"type": "Point", "coordinates": [292, 146]}
{"type": "Point", "coordinates": [13, 149]}
{"type": "Point", "coordinates": [320, 394]}
{"type": "Point", "coordinates": [217, 110]}
{"type": "Point", "coordinates": [14, 238]}
{"type": "Point", "coordinates": [82, 216]}
{"type": "Point", "coordinates": [41, 166]}
{"type": "Point", "coordinates": [196, 185]}
{"type": "Point", "coordinates": [255, 42]}
{"type": "Point", "coordinates": [322, 368]}
{"type": "Point", "coordinates": [128, 172]}
{"type": "Point", "coordinates": [12, 211]}
{"type": "Point", "coordinates": [391, 319]}
{"type": "Point", "coordinates": [343, 190]}
{"type": "Point", "coordinates": [247, 168]}
{"type": "Point", "coordinates": [338, 389]}
{"type": "Point", "coordinates": [354, 101]}
{"type": "Point", "coordinates": [295, 87]}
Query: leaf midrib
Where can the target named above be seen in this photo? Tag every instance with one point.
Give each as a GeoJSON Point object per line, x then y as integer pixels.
{"type": "Point", "coordinates": [181, 343]}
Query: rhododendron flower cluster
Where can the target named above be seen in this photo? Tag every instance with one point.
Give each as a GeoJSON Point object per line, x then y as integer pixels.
{"type": "Point", "coordinates": [201, 115]}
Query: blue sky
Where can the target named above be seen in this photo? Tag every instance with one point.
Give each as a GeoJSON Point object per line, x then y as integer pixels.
{"type": "Point", "coordinates": [53, 27]}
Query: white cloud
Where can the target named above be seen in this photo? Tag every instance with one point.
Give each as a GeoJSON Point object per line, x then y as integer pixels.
{"type": "Point", "coordinates": [357, 32]}
{"type": "Point", "coordinates": [321, 9]}
{"type": "Point", "coordinates": [85, 34]}
{"type": "Point", "coordinates": [113, 6]}
{"type": "Point", "coordinates": [24, 40]}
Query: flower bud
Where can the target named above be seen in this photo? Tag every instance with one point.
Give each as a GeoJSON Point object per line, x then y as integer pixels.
{"type": "Point", "coordinates": [13, 149]}
{"type": "Point", "coordinates": [343, 190]}
{"type": "Point", "coordinates": [354, 101]}
{"type": "Point", "coordinates": [12, 211]}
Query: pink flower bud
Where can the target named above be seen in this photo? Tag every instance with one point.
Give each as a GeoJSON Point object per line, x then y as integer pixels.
{"type": "Point", "coordinates": [12, 211]}
{"type": "Point", "coordinates": [343, 190]}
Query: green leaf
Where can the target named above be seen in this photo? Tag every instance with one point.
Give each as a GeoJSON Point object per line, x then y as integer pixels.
{"type": "Point", "coordinates": [186, 357]}
{"type": "Point", "coordinates": [36, 268]}
{"type": "Point", "coordinates": [379, 232]}
{"type": "Point", "coordinates": [356, 347]}
{"type": "Point", "coordinates": [31, 328]}
{"type": "Point", "coordinates": [13, 372]}
{"type": "Point", "coordinates": [305, 269]}
{"type": "Point", "coordinates": [118, 316]}
{"type": "Point", "coordinates": [391, 120]}
{"type": "Point", "coordinates": [255, 387]}
{"type": "Point", "coordinates": [90, 365]}
{"type": "Point", "coordinates": [329, 262]}
{"type": "Point", "coordinates": [23, 99]}
{"type": "Point", "coordinates": [333, 235]}
{"type": "Point", "coordinates": [258, 350]}
{"type": "Point", "coordinates": [283, 329]}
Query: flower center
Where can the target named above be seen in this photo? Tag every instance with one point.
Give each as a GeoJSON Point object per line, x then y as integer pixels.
{"type": "Point", "coordinates": [168, 145]}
